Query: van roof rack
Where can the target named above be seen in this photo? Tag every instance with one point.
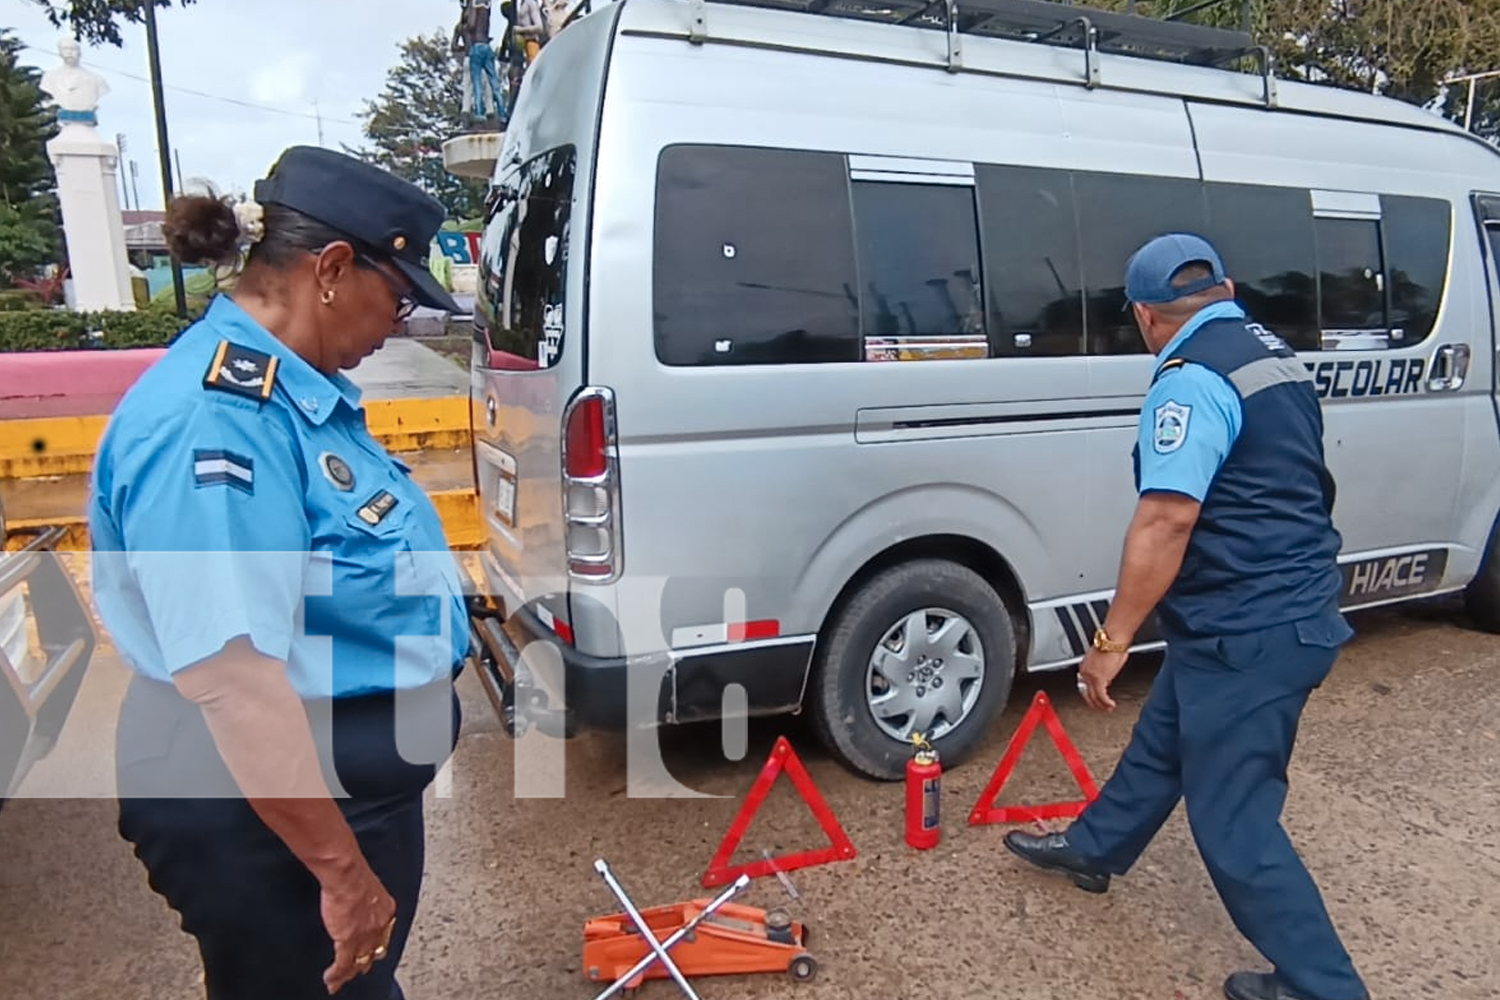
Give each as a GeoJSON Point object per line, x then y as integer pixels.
{"type": "Point", "coordinates": [1057, 22]}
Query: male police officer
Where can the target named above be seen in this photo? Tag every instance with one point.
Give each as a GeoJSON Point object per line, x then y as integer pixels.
{"type": "Point", "coordinates": [1233, 545]}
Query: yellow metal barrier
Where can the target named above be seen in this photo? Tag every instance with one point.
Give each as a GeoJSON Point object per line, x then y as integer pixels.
{"type": "Point", "coordinates": [64, 446]}
{"type": "Point", "coordinates": [60, 450]}
{"type": "Point", "coordinates": [457, 508]}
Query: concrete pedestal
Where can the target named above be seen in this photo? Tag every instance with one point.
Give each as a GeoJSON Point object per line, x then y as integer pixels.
{"type": "Point", "coordinates": [88, 191]}
{"type": "Point", "coordinates": [472, 155]}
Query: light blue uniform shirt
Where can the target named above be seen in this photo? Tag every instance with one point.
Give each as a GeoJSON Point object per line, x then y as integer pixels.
{"type": "Point", "coordinates": [218, 514]}
{"type": "Point", "coordinates": [1190, 420]}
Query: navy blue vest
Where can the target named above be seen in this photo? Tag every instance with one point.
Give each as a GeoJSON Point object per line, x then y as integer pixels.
{"type": "Point", "coordinates": [1265, 550]}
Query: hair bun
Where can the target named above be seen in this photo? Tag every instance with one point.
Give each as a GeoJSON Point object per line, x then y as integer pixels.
{"type": "Point", "coordinates": [201, 229]}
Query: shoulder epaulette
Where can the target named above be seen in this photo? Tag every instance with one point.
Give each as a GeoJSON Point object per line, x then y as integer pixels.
{"type": "Point", "coordinates": [242, 371]}
{"type": "Point", "coordinates": [1171, 364]}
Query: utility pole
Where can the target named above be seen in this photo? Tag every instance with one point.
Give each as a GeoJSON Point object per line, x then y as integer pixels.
{"type": "Point", "coordinates": [319, 112]}
{"type": "Point", "coordinates": [164, 147]}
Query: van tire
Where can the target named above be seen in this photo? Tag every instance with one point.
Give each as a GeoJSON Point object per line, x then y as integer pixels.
{"type": "Point", "coordinates": [841, 712]}
{"type": "Point", "coordinates": [1482, 595]}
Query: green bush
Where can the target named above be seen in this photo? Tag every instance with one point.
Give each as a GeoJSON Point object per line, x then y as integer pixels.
{"type": "Point", "coordinates": [18, 300]}
{"type": "Point", "coordinates": [65, 330]}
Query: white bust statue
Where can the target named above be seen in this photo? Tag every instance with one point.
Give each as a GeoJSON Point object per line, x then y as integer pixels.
{"type": "Point", "coordinates": [76, 90]}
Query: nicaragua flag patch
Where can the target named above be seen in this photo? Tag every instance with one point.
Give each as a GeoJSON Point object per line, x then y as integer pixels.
{"type": "Point", "coordinates": [217, 467]}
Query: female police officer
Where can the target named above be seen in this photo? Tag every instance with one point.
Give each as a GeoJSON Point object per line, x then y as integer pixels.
{"type": "Point", "coordinates": [284, 594]}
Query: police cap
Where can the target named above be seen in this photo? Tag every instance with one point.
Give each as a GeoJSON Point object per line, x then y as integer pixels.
{"type": "Point", "coordinates": [1148, 276]}
{"type": "Point", "coordinates": [381, 214]}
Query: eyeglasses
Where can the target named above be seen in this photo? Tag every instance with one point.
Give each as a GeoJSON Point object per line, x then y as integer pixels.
{"type": "Point", "coordinates": [406, 301]}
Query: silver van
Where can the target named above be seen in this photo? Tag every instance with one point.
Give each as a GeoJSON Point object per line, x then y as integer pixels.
{"type": "Point", "coordinates": [801, 377]}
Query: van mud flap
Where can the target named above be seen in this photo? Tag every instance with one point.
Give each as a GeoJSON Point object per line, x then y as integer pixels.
{"type": "Point", "coordinates": [517, 700]}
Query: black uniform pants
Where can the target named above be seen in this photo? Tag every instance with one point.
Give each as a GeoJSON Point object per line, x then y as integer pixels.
{"type": "Point", "coordinates": [1217, 734]}
{"type": "Point", "coordinates": [252, 906]}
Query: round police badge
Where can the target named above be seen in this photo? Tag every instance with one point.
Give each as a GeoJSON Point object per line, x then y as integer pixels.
{"type": "Point", "coordinates": [1171, 427]}
{"type": "Point", "coordinates": [336, 470]}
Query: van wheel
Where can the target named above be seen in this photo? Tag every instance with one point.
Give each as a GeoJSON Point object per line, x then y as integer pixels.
{"type": "Point", "coordinates": [1482, 595]}
{"type": "Point", "coordinates": [926, 647]}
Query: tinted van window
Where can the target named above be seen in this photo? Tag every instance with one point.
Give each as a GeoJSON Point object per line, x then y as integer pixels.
{"type": "Point", "coordinates": [518, 310]}
{"type": "Point", "coordinates": [1116, 214]}
{"type": "Point", "coordinates": [754, 258]}
{"type": "Point", "coordinates": [1418, 234]}
{"type": "Point", "coordinates": [1032, 261]}
{"type": "Point", "coordinates": [919, 270]}
{"type": "Point", "coordinates": [1265, 236]}
{"type": "Point", "coordinates": [1350, 272]}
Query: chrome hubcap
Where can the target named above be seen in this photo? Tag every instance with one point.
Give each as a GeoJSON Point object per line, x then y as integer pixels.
{"type": "Point", "coordinates": [925, 675]}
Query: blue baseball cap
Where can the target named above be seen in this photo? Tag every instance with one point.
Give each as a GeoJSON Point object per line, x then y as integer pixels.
{"type": "Point", "coordinates": [1148, 276]}
{"type": "Point", "coordinates": [381, 214]}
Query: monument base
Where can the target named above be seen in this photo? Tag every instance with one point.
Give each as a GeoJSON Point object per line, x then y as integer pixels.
{"type": "Point", "coordinates": [472, 155]}
{"type": "Point", "coordinates": [88, 191]}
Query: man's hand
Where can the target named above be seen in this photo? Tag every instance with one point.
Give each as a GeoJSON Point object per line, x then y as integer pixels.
{"type": "Point", "coordinates": [1095, 674]}
{"type": "Point", "coordinates": [1154, 548]}
{"type": "Point", "coordinates": [360, 916]}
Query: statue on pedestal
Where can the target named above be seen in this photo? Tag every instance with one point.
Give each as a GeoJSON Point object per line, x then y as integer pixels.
{"type": "Point", "coordinates": [87, 193]}
{"type": "Point", "coordinates": [471, 39]}
{"type": "Point", "coordinates": [76, 90]}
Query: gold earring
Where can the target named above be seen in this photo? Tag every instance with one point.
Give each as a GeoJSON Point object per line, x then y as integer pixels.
{"type": "Point", "coordinates": [327, 296]}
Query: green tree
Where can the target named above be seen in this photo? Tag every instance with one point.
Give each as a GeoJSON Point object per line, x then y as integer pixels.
{"type": "Point", "coordinates": [28, 204]}
{"type": "Point", "coordinates": [98, 21]}
{"type": "Point", "coordinates": [1401, 49]}
{"type": "Point", "coordinates": [421, 108]}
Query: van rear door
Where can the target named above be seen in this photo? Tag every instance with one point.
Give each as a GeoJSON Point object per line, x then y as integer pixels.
{"type": "Point", "coordinates": [525, 372]}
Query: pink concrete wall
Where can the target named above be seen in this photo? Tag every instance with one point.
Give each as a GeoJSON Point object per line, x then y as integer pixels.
{"type": "Point", "coordinates": [69, 383]}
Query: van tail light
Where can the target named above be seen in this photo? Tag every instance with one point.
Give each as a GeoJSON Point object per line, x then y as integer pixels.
{"type": "Point", "coordinates": [591, 486]}
{"type": "Point", "coordinates": [585, 447]}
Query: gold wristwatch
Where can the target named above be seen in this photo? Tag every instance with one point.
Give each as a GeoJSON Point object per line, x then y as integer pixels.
{"type": "Point", "coordinates": [1105, 644]}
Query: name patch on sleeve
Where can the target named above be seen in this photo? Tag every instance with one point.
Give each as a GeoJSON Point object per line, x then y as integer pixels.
{"type": "Point", "coordinates": [217, 467]}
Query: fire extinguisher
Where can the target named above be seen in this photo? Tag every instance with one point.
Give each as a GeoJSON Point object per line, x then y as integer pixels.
{"type": "Point", "coordinates": [923, 795]}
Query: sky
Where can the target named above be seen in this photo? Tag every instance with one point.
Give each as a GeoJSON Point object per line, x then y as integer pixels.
{"type": "Point", "coordinates": [241, 83]}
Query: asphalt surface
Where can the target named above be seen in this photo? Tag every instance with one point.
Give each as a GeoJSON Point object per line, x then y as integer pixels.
{"type": "Point", "coordinates": [1393, 804]}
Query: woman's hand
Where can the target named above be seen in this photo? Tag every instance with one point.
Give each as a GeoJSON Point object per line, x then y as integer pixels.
{"type": "Point", "coordinates": [359, 916]}
{"type": "Point", "coordinates": [261, 728]}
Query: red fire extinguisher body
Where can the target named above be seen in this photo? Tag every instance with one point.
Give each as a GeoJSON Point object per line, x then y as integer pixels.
{"type": "Point", "coordinates": [923, 800]}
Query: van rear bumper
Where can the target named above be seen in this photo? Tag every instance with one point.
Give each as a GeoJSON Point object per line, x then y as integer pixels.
{"type": "Point", "coordinates": [760, 678]}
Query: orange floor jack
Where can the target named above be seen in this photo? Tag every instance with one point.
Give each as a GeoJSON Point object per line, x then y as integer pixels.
{"type": "Point", "coordinates": [712, 938]}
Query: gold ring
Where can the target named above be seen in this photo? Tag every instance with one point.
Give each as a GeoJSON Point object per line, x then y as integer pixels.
{"type": "Point", "coordinates": [361, 960]}
{"type": "Point", "coordinates": [380, 952]}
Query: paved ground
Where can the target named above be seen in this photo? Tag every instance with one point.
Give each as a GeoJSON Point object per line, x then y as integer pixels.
{"type": "Point", "coordinates": [1394, 803]}
{"type": "Point", "coordinates": [406, 368]}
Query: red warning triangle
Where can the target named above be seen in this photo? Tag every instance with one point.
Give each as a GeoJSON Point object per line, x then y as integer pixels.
{"type": "Point", "coordinates": [782, 757]}
{"type": "Point", "coordinates": [1041, 712]}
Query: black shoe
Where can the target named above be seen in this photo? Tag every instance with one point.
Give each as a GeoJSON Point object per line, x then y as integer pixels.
{"type": "Point", "coordinates": [1053, 854]}
{"type": "Point", "coordinates": [1260, 986]}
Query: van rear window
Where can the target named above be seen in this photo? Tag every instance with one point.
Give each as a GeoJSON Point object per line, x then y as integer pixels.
{"type": "Point", "coordinates": [523, 255]}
